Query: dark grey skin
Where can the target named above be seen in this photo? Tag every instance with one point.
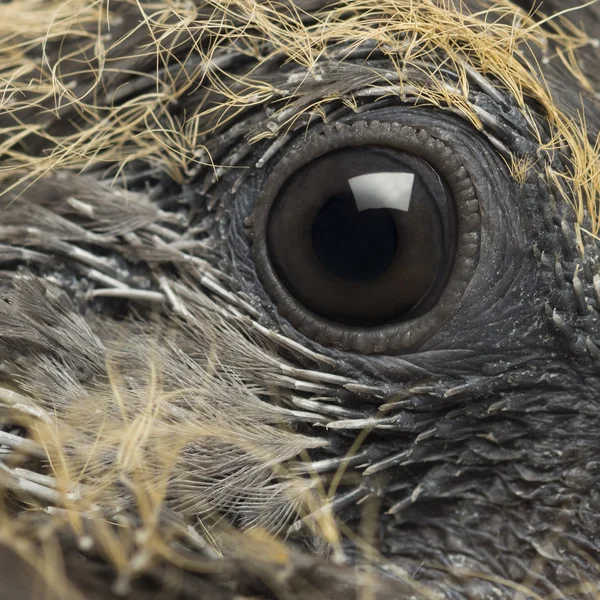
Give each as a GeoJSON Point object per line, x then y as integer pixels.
{"type": "Point", "coordinates": [486, 460]}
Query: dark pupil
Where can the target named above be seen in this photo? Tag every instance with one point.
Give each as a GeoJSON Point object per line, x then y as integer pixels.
{"type": "Point", "coordinates": [354, 245]}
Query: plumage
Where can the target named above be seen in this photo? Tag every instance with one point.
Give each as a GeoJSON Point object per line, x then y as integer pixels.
{"type": "Point", "coordinates": [165, 429]}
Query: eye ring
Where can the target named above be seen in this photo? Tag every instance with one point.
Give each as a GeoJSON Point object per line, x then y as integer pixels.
{"type": "Point", "coordinates": [395, 337]}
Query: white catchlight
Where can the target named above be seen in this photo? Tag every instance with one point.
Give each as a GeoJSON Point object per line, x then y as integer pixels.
{"type": "Point", "coordinates": [382, 190]}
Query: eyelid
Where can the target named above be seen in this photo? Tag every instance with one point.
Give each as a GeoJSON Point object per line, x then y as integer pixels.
{"type": "Point", "coordinates": [395, 337]}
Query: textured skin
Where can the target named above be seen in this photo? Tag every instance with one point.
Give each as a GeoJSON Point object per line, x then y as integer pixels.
{"type": "Point", "coordinates": [486, 460]}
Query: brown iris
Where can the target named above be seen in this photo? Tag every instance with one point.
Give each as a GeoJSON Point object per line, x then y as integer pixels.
{"type": "Point", "coordinates": [363, 236]}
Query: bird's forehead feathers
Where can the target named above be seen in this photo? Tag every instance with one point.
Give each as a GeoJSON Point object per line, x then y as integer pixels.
{"type": "Point", "coordinates": [155, 83]}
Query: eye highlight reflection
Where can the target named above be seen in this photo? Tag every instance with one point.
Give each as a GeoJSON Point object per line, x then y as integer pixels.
{"type": "Point", "coordinates": [363, 236]}
{"type": "Point", "coordinates": [383, 190]}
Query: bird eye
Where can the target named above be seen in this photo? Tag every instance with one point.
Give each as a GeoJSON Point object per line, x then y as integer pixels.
{"type": "Point", "coordinates": [356, 235]}
{"type": "Point", "coordinates": [363, 236]}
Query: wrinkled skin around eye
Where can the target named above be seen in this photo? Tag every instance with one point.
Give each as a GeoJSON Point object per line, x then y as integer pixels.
{"type": "Point", "coordinates": [170, 420]}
